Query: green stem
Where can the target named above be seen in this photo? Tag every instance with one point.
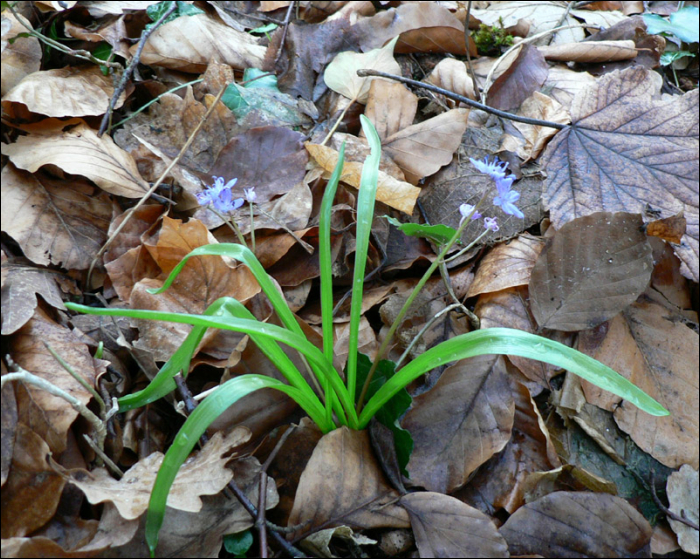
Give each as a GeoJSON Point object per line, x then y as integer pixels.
{"type": "Point", "coordinates": [407, 305]}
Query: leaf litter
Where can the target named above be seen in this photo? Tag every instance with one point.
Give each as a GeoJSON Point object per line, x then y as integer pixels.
{"type": "Point", "coordinates": [496, 440]}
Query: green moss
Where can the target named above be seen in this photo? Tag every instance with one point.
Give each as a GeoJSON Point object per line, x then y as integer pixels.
{"type": "Point", "coordinates": [490, 39]}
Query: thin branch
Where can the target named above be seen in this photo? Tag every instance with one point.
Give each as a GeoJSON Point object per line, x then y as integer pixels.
{"type": "Point", "coordinates": [452, 95]}
{"type": "Point", "coordinates": [423, 330]}
{"type": "Point", "coordinates": [131, 67]}
{"type": "Point", "coordinates": [287, 18]}
{"type": "Point", "coordinates": [467, 36]}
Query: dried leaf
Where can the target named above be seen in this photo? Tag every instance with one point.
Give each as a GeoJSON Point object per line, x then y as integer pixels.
{"type": "Point", "coordinates": [452, 75]}
{"type": "Point", "coordinates": [682, 491]}
{"type": "Point", "coordinates": [190, 43]}
{"type": "Point", "coordinates": [390, 106]}
{"type": "Point", "coordinates": [343, 484]}
{"type": "Point", "coordinates": [55, 222]}
{"type": "Point", "coordinates": [579, 282]}
{"type": "Point", "coordinates": [80, 152]}
{"type": "Point", "coordinates": [446, 527]}
{"type": "Point", "coordinates": [625, 151]}
{"type": "Point", "coordinates": [459, 423]}
{"type": "Point", "coordinates": [570, 524]}
{"type": "Point", "coordinates": [68, 91]}
{"type": "Point", "coordinates": [20, 58]}
{"type": "Point", "coordinates": [397, 194]}
{"type": "Point", "coordinates": [341, 74]}
{"type": "Point", "coordinates": [525, 75]}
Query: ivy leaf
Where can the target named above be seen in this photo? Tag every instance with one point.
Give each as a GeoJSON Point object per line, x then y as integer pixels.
{"type": "Point", "coordinates": [440, 234]}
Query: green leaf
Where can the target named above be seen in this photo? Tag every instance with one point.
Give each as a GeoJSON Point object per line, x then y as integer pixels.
{"type": "Point", "coordinates": [507, 341]}
{"type": "Point", "coordinates": [440, 234]}
{"type": "Point", "coordinates": [670, 57]}
{"type": "Point", "coordinates": [390, 413]}
{"type": "Point", "coordinates": [155, 11]}
{"type": "Point", "coordinates": [683, 24]}
{"type": "Point", "coordinates": [238, 544]}
{"type": "Point", "coordinates": [267, 82]}
{"type": "Point", "coordinates": [265, 28]}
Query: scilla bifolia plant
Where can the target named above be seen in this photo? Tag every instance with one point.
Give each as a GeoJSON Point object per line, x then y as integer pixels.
{"type": "Point", "coordinates": [335, 403]}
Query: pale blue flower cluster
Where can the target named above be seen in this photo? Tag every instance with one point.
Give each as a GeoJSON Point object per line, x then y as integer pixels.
{"type": "Point", "coordinates": [219, 195]}
{"type": "Point", "coordinates": [506, 197]}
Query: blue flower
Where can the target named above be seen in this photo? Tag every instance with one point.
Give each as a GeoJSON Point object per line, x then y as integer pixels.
{"type": "Point", "coordinates": [220, 196]}
{"type": "Point", "coordinates": [465, 210]}
{"type": "Point", "coordinates": [496, 169]}
{"type": "Point", "coordinates": [490, 223]}
{"type": "Point", "coordinates": [506, 197]}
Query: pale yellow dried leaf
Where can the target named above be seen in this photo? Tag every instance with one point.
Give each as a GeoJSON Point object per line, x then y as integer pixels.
{"type": "Point", "coordinates": [205, 474]}
{"type": "Point", "coordinates": [341, 74]}
{"type": "Point", "coordinates": [20, 58]}
{"type": "Point", "coordinates": [420, 150]}
{"type": "Point", "coordinates": [452, 74]}
{"type": "Point", "coordinates": [69, 91]}
{"type": "Point", "coordinates": [391, 107]}
{"type": "Point", "coordinates": [563, 84]}
{"type": "Point", "coordinates": [79, 151]}
{"type": "Point", "coordinates": [397, 194]}
{"type": "Point", "coordinates": [682, 491]}
{"type": "Point", "coordinates": [591, 51]}
{"type": "Point", "coordinates": [191, 43]}
{"type": "Point", "coordinates": [507, 265]}
{"type": "Point", "coordinates": [534, 138]}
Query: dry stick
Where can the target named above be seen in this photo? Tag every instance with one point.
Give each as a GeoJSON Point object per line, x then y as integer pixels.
{"type": "Point", "coordinates": [262, 495]}
{"type": "Point", "coordinates": [451, 95]}
{"type": "Point", "coordinates": [423, 330]}
{"type": "Point", "coordinates": [131, 67]}
{"type": "Point", "coordinates": [151, 190]}
{"type": "Point", "coordinates": [190, 404]}
{"type": "Point", "coordinates": [489, 76]}
{"type": "Point", "coordinates": [284, 32]}
{"type": "Point", "coordinates": [467, 36]}
{"type": "Point", "coordinates": [672, 515]}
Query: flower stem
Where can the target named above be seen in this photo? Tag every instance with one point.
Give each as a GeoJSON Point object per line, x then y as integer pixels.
{"type": "Point", "coordinates": [407, 305]}
{"type": "Point", "coordinates": [252, 228]}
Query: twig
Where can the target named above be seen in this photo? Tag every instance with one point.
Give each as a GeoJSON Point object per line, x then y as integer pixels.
{"type": "Point", "coordinates": [467, 36]}
{"type": "Point", "coordinates": [452, 95]}
{"type": "Point", "coordinates": [672, 515]}
{"type": "Point", "coordinates": [151, 190]}
{"type": "Point", "coordinates": [25, 376]}
{"type": "Point", "coordinates": [423, 330]}
{"type": "Point", "coordinates": [247, 504]}
{"type": "Point", "coordinates": [285, 23]}
{"type": "Point", "coordinates": [106, 459]}
{"type": "Point", "coordinates": [131, 67]}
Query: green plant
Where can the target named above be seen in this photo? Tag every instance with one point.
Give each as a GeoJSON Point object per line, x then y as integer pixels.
{"type": "Point", "coordinates": [489, 39]}
{"type": "Point", "coordinates": [335, 402]}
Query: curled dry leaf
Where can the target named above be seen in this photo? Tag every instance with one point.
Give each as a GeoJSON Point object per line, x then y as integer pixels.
{"type": "Point", "coordinates": [446, 527]}
{"type": "Point", "coordinates": [399, 195]}
{"type": "Point", "coordinates": [190, 43]}
{"type": "Point", "coordinates": [391, 107]}
{"type": "Point", "coordinates": [79, 151]}
{"type": "Point", "coordinates": [55, 222]}
{"type": "Point", "coordinates": [341, 74]}
{"type": "Point", "coordinates": [68, 91]}
{"type": "Point", "coordinates": [591, 51]}
{"type": "Point", "coordinates": [576, 524]}
{"type": "Point", "coordinates": [460, 423]}
{"type": "Point", "coordinates": [343, 484]}
{"type": "Point", "coordinates": [452, 75]}
{"type": "Point", "coordinates": [625, 151]}
{"type": "Point", "coordinates": [682, 491]}
{"type": "Point", "coordinates": [524, 75]}
{"type": "Point", "coordinates": [205, 474]}
{"type": "Point", "coordinates": [590, 270]}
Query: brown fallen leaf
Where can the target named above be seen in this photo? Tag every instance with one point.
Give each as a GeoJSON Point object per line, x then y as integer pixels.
{"type": "Point", "coordinates": [571, 524]}
{"type": "Point", "coordinates": [391, 107]}
{"type": "Point", "coordinates": [32, 491]}
{"type": "Point", "coordinates": [649, 345]}
{"type": "Point", "coordinates": [507, 265]}
{"type": "Point", "coordinates": [69, 91]}
{"type": "Point", "coordinates": [343, 484]}
{"type": "Point", "coordinates": [459, 423]}
{"type": "Point", "coordinates": [669, 229]}
{"type": "Point", "coordinates": [589, 271]}
{"type": "Point", "coordinates": [54, 221]}
{"type": "Point", "coordinates": [592, 51]}
{"type": "Point", "coordinates": [452, 75]}
{"type": "Point", "coordinates": [189, 43]}
{"type": "Point", "coordinates": [397, 194]}
{"type": "Point", "coordinates": [682, 491]}
{"type": "Point", "coordinates": [625, 151]}
{"type": "Point", "coordinates": [446, 527]}
{"type": "Point", "coordinates": [80, 152]}
{"type": "Point", "coordinates": [22, 56]}
{"type": "Point", "coordinates": [525, 74]}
